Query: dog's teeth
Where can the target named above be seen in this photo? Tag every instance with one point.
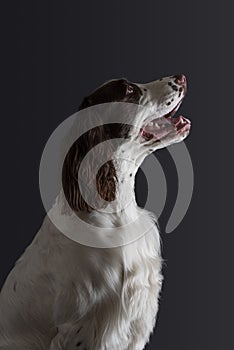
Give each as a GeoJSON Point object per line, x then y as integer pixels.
{"type": "Point", "coordinates": [151, 123]}
{"type": "Point", "coordinates": [182, 121]}
{"type": "Point", "coordinates": [156, 124]}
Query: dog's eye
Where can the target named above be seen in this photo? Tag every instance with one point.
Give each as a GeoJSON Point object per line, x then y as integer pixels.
{"type": "Point", "coordinates": [130, 89]}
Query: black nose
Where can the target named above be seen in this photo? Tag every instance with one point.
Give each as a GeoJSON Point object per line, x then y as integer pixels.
{"type": "Point", "coordinates": [180, 79]}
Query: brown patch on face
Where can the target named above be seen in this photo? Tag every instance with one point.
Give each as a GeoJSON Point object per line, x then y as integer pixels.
{"type": "Point", "coordinates": [114, 91]}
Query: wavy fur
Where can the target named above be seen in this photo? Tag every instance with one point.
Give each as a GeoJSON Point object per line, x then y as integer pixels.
{"type": "Point", "coordinates": [62, 295]}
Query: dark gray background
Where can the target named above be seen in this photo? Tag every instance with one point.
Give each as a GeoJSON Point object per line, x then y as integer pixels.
{"type": "Point", "coordinates": [64, 49]}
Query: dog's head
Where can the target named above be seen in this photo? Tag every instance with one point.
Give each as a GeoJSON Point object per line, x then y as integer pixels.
{"type": "Point", "coordinates": [155, 129]}
{"type": "Point", "coordinates": [162, 98]}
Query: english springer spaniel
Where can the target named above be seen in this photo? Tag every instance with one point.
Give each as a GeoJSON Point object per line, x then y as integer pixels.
{"type": "Point", "coordinates": [63, 294]}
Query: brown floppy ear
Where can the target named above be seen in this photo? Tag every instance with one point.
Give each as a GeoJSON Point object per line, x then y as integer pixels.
{"type": "Point", "coordinates": [105, 177]}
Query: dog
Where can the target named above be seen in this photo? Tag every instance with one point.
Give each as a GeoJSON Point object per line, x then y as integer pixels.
{"type": "Point", "coordinates": [65, 295]}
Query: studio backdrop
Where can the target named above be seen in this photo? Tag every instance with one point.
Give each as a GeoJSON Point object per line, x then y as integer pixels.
{"type": "Point", "coordinates": [64, 50]}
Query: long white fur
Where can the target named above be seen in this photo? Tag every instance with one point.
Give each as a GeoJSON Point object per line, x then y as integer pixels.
{"type": "Point", "coordinates": [64, 295]}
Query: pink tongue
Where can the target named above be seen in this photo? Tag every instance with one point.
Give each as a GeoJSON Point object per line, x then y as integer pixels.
{"type": "Point", "coordinates": [177, 120]}
{"type": "Point", "coordinates": [180, 122]}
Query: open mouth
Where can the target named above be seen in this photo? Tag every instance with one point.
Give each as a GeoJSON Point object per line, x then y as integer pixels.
{"type": "Point", "coordinates": [156, 129]}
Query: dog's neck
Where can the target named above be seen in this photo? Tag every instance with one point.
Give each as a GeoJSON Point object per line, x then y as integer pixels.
{"type": "Point", "coordinates": [127, 159]}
